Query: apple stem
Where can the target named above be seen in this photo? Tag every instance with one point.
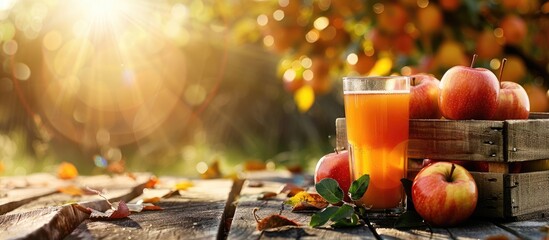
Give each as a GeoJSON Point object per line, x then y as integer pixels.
{"type": "Point", "coordinates": [449, 179]}
{"type": "Point", "coordinates": [474, 59]}
{"type": "Point", "coordinates": [503, 61]}
{"type": "Point", "coordinates": [413, 81]}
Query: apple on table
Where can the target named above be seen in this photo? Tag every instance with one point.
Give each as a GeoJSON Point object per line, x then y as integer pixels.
{"type": "Point", "coordinates": [336, 166]}
{"type": "Point", "coordinates": [444, 194]}
{"type": "Point", "coordinates": [424, 93]}
{"type": "Point", "coordinates": [469, 93]}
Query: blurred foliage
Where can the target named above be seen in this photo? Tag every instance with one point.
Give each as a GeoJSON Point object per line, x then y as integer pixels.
{"type": "Point", "coordinates": [174, 85]}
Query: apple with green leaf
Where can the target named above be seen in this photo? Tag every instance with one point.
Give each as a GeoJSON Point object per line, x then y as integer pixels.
{"type": "Point", "coordinates": [513, 102]}
{"type": "Point", "coordinates": [424, 94]}
{"type": "Point", "coordinates": [468, 93]}
{"type": "Point", "coordinates": [444, 194]}
{"type": "Point", "coordinates": [335, 166]}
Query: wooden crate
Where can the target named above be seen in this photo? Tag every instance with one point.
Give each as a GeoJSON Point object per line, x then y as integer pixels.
{"type": "Point", "coordinates": [498, 143]}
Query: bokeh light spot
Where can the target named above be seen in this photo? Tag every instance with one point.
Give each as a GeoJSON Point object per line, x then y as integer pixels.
{"type": "Point", "coordinates": [103, 137]}
{"type": "Point", "coordinates": [498, 32]}
{"type": "Point", "coordinates": [52, 41]}
{"type": "Point", "coordinates": [352, 58]}
{"type": "Point", "coordinates": [100, 161]}
{"type": "Point", "coordinates": [379, 8]}
{"type": "Point", "coordinates": [195, 94]}
{"type": "Point", "coordinates": [201, 167]}
{"type": "Point", "coordinates": [422, 3]}
{"type": "Point", "coordinates": [114, 154]}
{"type": "Point", "coordinates": [180, 12]}
{"type": "Point", "coordinates": [278, 15]}
{"type": "Point", "coordinates": [268, 40]}
{"type": "Point", "coordinates": [321, 23]}
{"type": "Point", "coordinates": [306, 62]}
{"type": "Point", "coordinates": [21, 71]}
{"type": "Point", "coordinates": [10, 47]}
{"type": "Point", "coordinates": [283, 3]}
{"type": "Point", "coordinates": [289, 75]}
{"type": "Point", "coordinates": [312, 36]}
{"type": "Point", "coordinates": [308, 75]}
{"type": "Point", "coordinates": [495, 63]}
{"type": "Point", "coordinates": [262, 20]}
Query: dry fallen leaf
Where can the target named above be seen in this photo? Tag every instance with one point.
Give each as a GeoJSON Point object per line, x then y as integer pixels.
{"type": "Point", "coordinates": [304, 201]}
{"type": "Point", "coordinates": [117, 167]}
{"type": "Point", "coordinates": [67, 171]}
{"type": "Point", "coordinates": [290, 189]}
{"type": "Point", "coordinates": [273, 221]}
{"type": "Point", "coordinates": [152, 182]}
{"type": "Point", "coordinates": [254, 165]}
{"type": "Point", "coordinates": [266, 195]}
{"type": "Point", "coordinates": [213, 171]}
{"type": "Point", "coordinates": [140, 206]}
{"type": "Point", "coordinates": [151, 200]}
{"type": "Point", "coordinates": [152, 207]}
{"type": "Point", "coordinates": [183, 185]}
{"type": "Point", "coordinates": [72, 190]}
{"type": "Point", "coordinates": [119, 210]}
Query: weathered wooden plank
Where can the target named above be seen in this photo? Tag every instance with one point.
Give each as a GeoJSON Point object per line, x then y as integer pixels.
{"type": "Point", "coordinates": [527, 139]}
{"type": "Point", "coordinates": [478, 229]}
{"type": "Point", "coordinates": [527, 193]}
{"type": "Point", "coordinates": [55, 222]}
{"type": "Point", "coordinates": [244, 225]}
{"type": "Point", "coordinates": [19, 190]}
{"type": "Point", "coordinates": [490, 194]}
{"type": "Point", "coordinates": [196, 213]}
{"type": "Point", "coordinates": [534, 229]}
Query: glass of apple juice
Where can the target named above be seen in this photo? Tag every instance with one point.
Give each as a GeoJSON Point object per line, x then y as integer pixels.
{"type": "Point", "coordinates": [377, 117]}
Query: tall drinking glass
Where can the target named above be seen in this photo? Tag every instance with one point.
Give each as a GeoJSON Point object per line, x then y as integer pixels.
{"type": "Point", "coordinates": [377, 116]}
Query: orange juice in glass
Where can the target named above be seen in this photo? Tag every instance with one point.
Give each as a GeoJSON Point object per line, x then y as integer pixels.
{"type": "Point", "coordinates": [376, 112]}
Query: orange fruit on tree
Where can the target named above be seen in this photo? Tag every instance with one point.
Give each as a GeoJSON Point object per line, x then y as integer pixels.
{"type": "Point", "coordinates": [451, 53]}
{"type": "Point", "coordinates": [487, 46]}
{"type": "Point", "coordinates": [392, 18]}
{"type": "Point", "coordinates": [450, 5]}
{"type": "Point", "coordinates": [429, 19]}
{"type": "Point", "coordinates": [539, 101]}
{"type": "Point", "coordinates": [364, 64]}
{"type": "Point", "coordinates": [514, 29]}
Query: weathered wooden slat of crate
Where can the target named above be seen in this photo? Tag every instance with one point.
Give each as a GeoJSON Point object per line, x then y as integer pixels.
{"type": "Point", "coordinates": [498, 141]}
{"type": "Point", "coordinates": [195, 213]}
{"type": "Point", "coordinates": [526, 194]}
{"type": "Point", "coordinates": [55, 222]}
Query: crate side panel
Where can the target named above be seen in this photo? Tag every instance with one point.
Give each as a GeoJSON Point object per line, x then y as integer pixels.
{"type": "Point", "coordinates": [527, 193]}
{"type": "Point", "coordinates": [456, 140]}
{"type": "Point", "coordinates": [527, 139]}
{"type": "Point", "coordinates": [490, 195]}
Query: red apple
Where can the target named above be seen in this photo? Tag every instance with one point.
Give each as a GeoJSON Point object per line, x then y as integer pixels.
{"type": "Point", "coordinates": [468, 93]}
{"type": "Point", "coordinates": [424, 97]}
{"type": "Point", "coordinates": [469, 165]}
{"type": "Point", "coordinates": [336, 166]}
{"type": "Point", "coordinates": [444, 194]}
{"type": "Point", "coordinates": [513, 102]}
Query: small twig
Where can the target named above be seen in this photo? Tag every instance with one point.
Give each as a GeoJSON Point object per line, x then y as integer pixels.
{"type": "Point", "coordinates": [101, 195]}
{"type": "Point", "coordinates": [254, 212]}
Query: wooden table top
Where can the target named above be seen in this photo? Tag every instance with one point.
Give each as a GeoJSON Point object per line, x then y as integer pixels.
{"type": "Point", "coordinates": [31, 207]}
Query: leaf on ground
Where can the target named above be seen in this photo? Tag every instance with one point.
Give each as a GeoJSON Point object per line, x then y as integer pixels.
{"type": "Point", "coordinates": [266, 195]}
{"type": "Point", "coordinates": [359, 187]}
{"type": "Point", "coordinates": [73, 190]}
{"type": "Point", "coordinates": [151, 200]}
{"type": "Point", "coordinates": [212, 171]}
{"type": "Point", "coordinates": [140, 206]}
{"type": "Point", "coordinates": [118, 211]}
{"type": "Point", "coordinates": [151, 183]}
{"type": "Point", "coordinates": [151, 207]}
{"type": "Point", "coordinates": [290, 189]}
{"type": "Point", "coordinates": [67, 171]}
{"type": "Point", "coordinates": [329, 189]}
{"type": "Point", "coordinates": [306, 201]}
{"type": "Point", "coordinates": [272, 221]}
{"type": "Point", "coordinates": [183, 185]}
{"type": "Point", "coordinates": [254, 165]}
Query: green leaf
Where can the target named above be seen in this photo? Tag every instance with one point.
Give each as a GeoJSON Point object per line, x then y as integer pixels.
{"type": "Point", "coordinates": [359, 187]}
{"type": "Point", "coordinates": [329, 189]}
{"type": "Point", "coordinates": [321, 218]}
{"type": "Point", "coordinates": [347, 222]}
{"type": "Point", "coordinates": [409, 219]}
{"type": "Point", "coordinates": [343, 212]}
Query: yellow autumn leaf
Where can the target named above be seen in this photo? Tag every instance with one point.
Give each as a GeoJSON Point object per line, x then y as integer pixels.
{"type": "Point", "coordinates": [304, 201]}
{"type": "Point", "coordinates": [304, 98]}
{"type": "Point", "coordinates": [71, 190]}
{"type": "Point", "coordinates": [382, 67]}
{"type": "Point", "coordinates": [183, 185]}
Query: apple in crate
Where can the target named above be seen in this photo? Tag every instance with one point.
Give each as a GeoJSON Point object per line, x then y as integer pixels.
{"type": "Point", "coordinates": [336, 166]}
{"type": "Point", "coordinates": [424, 93]}
{"type": "Point", "coordinates": [468, 93]}
{"type": "Point", "coordinates": [513, 102]}
{"type": "Point", "coordinates": [444, 194]}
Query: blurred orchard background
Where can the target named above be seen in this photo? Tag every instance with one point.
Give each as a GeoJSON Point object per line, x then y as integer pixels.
{"type": "Point", "coordinates": [190, 87]}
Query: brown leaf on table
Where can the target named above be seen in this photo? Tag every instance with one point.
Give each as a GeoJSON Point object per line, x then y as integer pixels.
{"type": "Point", "coordinates": [290, 189]}
{"type": "Point", "coordinates": [118, 211]}
{"type": "Point", "coordinates": [213, 171]}
{"type": "Point", "coordinates": [498, 237]}
{"type": "Point", "coordinates": [152, 207]}
{"type": "Point", "coordinates": [254, 165]}
{"type": "Point", "coordinates": [117, 167]}
{"type": "Point", "coordinates": [67, 171]}
{"type": "Point", "coordinates": [266, 195]}
{"type": "Point", "coordinates": [304, 201]}
{"type": "Point", "coordinates": [272, 221]}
